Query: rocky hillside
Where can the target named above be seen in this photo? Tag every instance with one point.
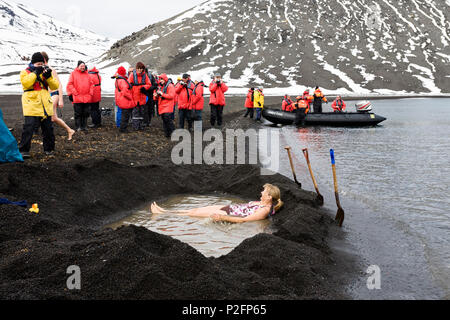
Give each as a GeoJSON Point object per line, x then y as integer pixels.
{"type": "Point", "coordinates": [358, 46]}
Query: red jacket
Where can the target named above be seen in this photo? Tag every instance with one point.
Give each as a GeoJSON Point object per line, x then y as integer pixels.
{"type": "Point", "coordinates": [184, 95]}
{"type": "Point", "coordinates": [137, 82]}
{"type": "Point", "coordinates": [97, 79]}
{"type": "Point", "coordinates": [166, 101]}
{"type": "Point", "coordinates": [338, 105]}
{"type": "Point", "coordinates": [288, 105]}
{"type": "Point", "coordinates": [249, 100]}
{"type": "Point", "coordinates": [124, 96]}
{"type": "Point", "coordinates": [217, 94]}
{"type": "Point", "coordinates": [198, 101]}
{"type": "Point", "coordinates": [80, 87]}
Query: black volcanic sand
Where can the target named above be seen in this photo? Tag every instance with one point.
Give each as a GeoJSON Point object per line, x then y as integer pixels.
{"type": "Point", "coordinates": [91, 182]}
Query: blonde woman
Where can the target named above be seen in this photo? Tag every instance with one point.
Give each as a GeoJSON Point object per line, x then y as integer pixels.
{"type": "Point", "coordinates": [269, 204]}
{"type": "Point", "coordinates": [58, 102]}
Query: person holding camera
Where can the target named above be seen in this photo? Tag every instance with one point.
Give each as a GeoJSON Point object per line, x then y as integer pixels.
{"type": "Point", "coordinates": [140, 82]}
{"type": "Point", "coordinates": [149, 107]}
{"type": "Point", "coordinates": [184, 90]}
{"type": "Point", "coordinates": [259, 103]}
{"type": "Point", "coordinates": [37, 105]}
{"type": "Point", "coordinates": [165, 95]}
{"type": "Point", "coordinates": [218, 88]}
{"type": "Point", "coordinates": [94, 109]}
{"type": "Point", "coordinates": [198, 101]}
{"type": "Point", "coordinates": [81, 89]}
{"type": "Point", "coordinates": [250, 103]}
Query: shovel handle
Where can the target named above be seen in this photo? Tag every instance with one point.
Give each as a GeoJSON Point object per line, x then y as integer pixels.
{"type": "Point", "coordinates": [288, 149]}
{"type": "Point", "coordinates": [306, 153]}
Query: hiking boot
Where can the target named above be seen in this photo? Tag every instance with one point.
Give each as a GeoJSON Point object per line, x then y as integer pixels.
{"type": "Point", "coordinates": [49, 153]}
{"type": "Point", "coordinates": [25, 155]}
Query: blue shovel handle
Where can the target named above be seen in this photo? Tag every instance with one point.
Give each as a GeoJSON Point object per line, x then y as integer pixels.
{"type": "Point", "coordinates": [333, 161]}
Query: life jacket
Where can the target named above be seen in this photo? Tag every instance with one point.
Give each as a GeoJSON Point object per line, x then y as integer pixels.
{"type": "Point", "coordinates": [289, 105]}
{"type": "Point", "coordinates": [99, 80]}
{"type": "Point", "coordinates": [39, 84]}
{"type": "Point", "coordinates": [122, 78]}
{"type": "Point", "coordinates": [303, 104]}
{"type": "Point", "coordinates": [136, 81]}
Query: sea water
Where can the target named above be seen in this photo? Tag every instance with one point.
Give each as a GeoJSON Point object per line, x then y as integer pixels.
{"type": "Point", "coordinates": [394, 187]}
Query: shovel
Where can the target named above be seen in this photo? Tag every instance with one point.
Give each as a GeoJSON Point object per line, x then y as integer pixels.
{"type": "Point", "coordinates": [319, 196]}
{"type": "Point", "coordinates": [288, 149]}
{"type": "Point", "coordinates": [340, 213]}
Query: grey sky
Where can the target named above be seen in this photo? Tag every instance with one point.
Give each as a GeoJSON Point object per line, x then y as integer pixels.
{"type": "Point", "coordinates": [114, 18]}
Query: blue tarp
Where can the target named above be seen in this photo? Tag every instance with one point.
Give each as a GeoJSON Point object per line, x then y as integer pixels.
{"type": "Point", "coordinates": [9, 152]}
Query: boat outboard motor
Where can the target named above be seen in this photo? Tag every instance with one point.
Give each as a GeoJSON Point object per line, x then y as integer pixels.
{"type": "Point", "coordinates": [363, 106]}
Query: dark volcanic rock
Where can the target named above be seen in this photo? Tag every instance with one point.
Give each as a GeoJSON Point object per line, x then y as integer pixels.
{"type": "Point", "coordinates": [354, 45]}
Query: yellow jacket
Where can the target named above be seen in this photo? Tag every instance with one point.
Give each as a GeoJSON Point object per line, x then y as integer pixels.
{"type": "Point", "coordinates": [258, 101]}
{"type": "Point", "coordinates": [34, 102]}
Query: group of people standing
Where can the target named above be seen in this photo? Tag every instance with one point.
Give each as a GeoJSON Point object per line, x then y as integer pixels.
{"type": "Point", "coordinates": [141, 95]}
{"type": "Point", "coordinates": [255, 100]}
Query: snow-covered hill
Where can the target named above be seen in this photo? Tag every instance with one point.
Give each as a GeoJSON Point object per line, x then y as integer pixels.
{"type": "Point", "coordinates": [350, 47]}
{"type": "Point", "coordinates": [24, 31]}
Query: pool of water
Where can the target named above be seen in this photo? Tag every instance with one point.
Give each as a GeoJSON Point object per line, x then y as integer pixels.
{"type": "Point", "coordinates": [212, 239]}
{"type": "Point", "coordinates": [394, 187]}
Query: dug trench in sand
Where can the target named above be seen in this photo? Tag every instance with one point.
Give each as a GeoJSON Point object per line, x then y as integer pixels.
{"type": "Point", "coordinates": [77, 196]}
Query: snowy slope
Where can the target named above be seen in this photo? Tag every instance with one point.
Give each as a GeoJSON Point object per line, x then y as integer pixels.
{"type": "Point", "coordinates": [350, 47]}
{"type": "Point", "coordinates": [24, 31]}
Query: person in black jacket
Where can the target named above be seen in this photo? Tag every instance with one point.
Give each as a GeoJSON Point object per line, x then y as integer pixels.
{"type": "Point", "coordinates": [149, 108]}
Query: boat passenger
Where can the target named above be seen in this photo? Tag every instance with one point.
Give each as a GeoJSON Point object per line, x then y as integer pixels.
{"type": "Point", "coordinates": [338, 105]}
{"type": "Point", "coordinates": [288, 105]}
{"type": "Point", "coordinates": [318, 99]}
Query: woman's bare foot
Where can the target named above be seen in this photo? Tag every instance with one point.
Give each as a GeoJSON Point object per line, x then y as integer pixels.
{"type": "Point", "coordinates": [71, 133]}
{"type": "Point", "coordinates": [156, 209]}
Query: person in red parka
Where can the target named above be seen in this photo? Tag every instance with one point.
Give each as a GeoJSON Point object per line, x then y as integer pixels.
{"type": "Point", "coordinates": [184, 90]}
{"type": "Point", "coordinates": [140, 82]}
{"type": "Point", "coordinates": [96, 115]}
{"type": "Point", "coordinates": [198, 101]}
{"type": "Point", "coordinates": [338, 105]}
{"type": "Point", "coordinates": [288, 105]}
{"type": "Point", "coordinates": [81, 88]}
{"type": "Point", "coordinates": [124, 98]}
{"type": "Point", "coordinates": [165, 96]}
{"type": "Point", "coordinates": [249, 103]}
{"type": "Point", "coordinates": [218, 88]}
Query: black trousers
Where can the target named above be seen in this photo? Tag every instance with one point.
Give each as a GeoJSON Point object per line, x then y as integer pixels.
{"type": "Point", "coordinates": [318, 108]}
{"type": "Point", "coordinates": [300, 117]}
{"type": "Point", "coordinates": [216, 114]}
{"type": "Point", "coordinates": [82, 114]}
{"type": "Point", "coordinates": [125, 119]}
{"type": "Point", "coordinates": [183, 116]}
{"type": "Point", "coordinates": [168, 125]}
{"type": "Point", "coordinates": [96, 115]}
{"type": "Point", "coordinates": [149, 112]}
{"type": "Point", "coordinates": [28, 131]}
{"type": "Point", "coordinates": [251, 112]}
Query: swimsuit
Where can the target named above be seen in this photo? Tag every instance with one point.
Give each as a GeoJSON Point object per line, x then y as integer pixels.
{"type": "Point", "coordinates": [54, 93]}
{"type": "Point", "coordinates": [244, 210]}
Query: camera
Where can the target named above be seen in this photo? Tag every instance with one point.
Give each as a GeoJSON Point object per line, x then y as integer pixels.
{"type": "Point", "coordinates": [182, 83]}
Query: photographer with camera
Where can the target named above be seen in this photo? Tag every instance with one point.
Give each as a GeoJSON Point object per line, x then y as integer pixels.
{"type": "Point", "coordinates": [184, 91]}
{"type": "Point", "coordinates": [81, 88]}
{"type": "Point", "coordinates": [37, 105]}
{"type": "Point", "coordinates": [166, 96]}
{"type": "Point", "coordinates": [218, 88]}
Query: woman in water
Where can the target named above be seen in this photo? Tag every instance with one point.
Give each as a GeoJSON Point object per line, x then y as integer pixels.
{"type": "Point", "coordinates": [269, 204]}
{"type": "Point", "coordinates": [58, 102]}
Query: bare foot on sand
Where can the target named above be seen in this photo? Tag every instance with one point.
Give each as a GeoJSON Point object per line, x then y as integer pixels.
{"type": "Point", "coordinates": [71, 133]}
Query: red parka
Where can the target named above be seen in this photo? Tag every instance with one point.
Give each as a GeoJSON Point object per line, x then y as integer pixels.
{"type": "Point", "coordinates": [338, 105]}
{"type": "Point", "coordinates": [80, 87]}
{"type": "Point", "coordinates": [166, 101]}
{"type": "Point", "coordinates": [198, 101]}
{"type": "Point", "coordinates": [250, 99]}
{"type": "Point", "coordinates": [288, 105]}
{"type": "Point", "coordinates": [184, 95]}
{"type": "Point", "coordinates": [137, 82]}
{"type": "Point", "coordinates": [97, 79]}
{"type": "Point", "coordinates": [217, 94]}
{"type": "Point", "coordinates": [124, 95]}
